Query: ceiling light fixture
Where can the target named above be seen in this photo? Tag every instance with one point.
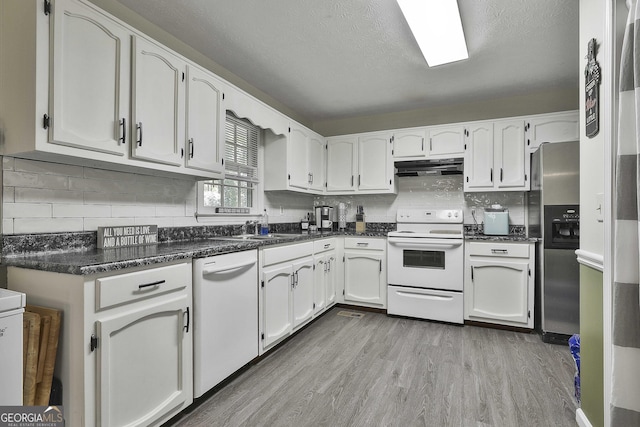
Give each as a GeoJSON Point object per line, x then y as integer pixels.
{"type": "Point", "coordinates": [437, 28]}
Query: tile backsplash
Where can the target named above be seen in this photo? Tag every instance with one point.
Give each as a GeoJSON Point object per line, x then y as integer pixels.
{"type": "Point", "coordinates": [413, 192]}
{"type": "Point", "coordinates": [44, 197]}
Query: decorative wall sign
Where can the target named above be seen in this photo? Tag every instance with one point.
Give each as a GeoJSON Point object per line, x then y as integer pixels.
{"type": "Point", "coordinates": [130, 235]}
{"type": "Point", "coordinates": [592, 81]}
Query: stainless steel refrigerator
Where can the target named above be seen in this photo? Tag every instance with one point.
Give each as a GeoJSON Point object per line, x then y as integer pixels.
{"type": "Point", "coordinates": [554, 217]}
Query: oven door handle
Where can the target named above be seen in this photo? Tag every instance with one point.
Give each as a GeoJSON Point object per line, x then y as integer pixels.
{"type": "Point", "coordinates": [425, 243]}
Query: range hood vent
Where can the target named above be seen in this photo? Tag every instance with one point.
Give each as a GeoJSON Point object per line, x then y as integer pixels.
{"type": "Point", "coordinates": [426, 167]}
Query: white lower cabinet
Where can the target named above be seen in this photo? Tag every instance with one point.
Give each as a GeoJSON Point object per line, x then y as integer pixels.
{"type": "Point", "coordinates": [499, 283]}
{"type": "Point", "coordinates": [365, 272]}
{"type": "Point", "coordinates": [286, 291]}
{"type": "Point", "coordinates": [276, 303]}
{"type": "Point", "coordinates": [324, 270]}
{"type": "Point", "coordinates": [298, 282]}
{"type": "Point", "coordinates": [302, 291]}
{"type": "Point", "coordinates": [125, 357]}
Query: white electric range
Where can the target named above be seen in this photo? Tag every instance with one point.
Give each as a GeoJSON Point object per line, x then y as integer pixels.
{"type": "Point", "coordinates": [425, 259]}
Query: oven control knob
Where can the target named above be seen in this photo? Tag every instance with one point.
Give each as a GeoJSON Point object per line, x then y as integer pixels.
{"type": "Point", "coordinates": [449, 214]}
{"type": "Point", "coordinates": [456, 214]}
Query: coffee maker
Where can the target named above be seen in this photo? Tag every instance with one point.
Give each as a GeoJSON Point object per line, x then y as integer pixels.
{"type": "Point", "coordinates": [324, 217]}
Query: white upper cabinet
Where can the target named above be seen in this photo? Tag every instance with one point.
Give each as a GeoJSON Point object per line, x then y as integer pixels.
{"type": "Point", "coordinates": [478, 161]}
{"type": "Point", "coordinates": [90, 89]}
{"type": "Point", "coordinates": [297, 164]}
{"type": "Point", "coordinates": [360, 163]}
{"type": "Point", "coordinates": [445, 141]}
{"type": "Point", "coordinates": [557, 127]}
{"type": "Point", "coordinates": [317, 156]}
{"type": "Point", "coordinates": [296, 161]}
{"type": "Point", "coordinates": [409, 143]}
{"type": "Point", "coordinates": [158, 103]}
{"type": "Point", "coordinates": [433, 142]}
{"type": "Point", "coordinates": [512, 169]}
{"type": "Point", "coordinates": [341, 164]}
{"type": "Point", "coordinates": [375, 163]}
{"type": "Point", "coordinates": [205, 121]}
{"type": "Point", "coordinates": [495, 157]}
{"type": "Point", "coordinates": [90, 60]}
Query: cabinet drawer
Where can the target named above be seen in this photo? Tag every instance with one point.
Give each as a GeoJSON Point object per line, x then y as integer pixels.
{"type": "Point", "coordinates": [515, 250]}
{"type": "Point", "coordinates": [286, 253]}
{"type": "Point", "coordinates": [365, 243]}
{"type": "Point", "coordinates": [129, 287]}
{"type": "Point", "coordinates": [324, 245]}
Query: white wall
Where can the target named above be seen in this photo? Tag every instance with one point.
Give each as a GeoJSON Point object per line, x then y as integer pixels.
{"type": "Point", "coordinates": [591, 149]}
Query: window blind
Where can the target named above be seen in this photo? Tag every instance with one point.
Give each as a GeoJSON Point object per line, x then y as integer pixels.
{"type": "Point", "coordinates": [241, 149]}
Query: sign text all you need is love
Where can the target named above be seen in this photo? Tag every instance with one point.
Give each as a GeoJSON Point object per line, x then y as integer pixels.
{"type": "Point", "coordinates": [128, 235]}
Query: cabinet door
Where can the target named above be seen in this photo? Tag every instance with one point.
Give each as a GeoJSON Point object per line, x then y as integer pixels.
{"type": "Point", "coordinates": [133, 348]}
{"type": "Point", "coordinates": [298, 153]}
{"type": "Point", "coordinates": [317, 158]}
{"type": "Point", "coordinates": [446, 141]}
{"type": "Point", "coordinates": [341, 164]}
{"type": "Point", "coordinates": [511, 170]}
{"type": "Point", "coordinates": [363, 277]}
{"type": "Point", "coordinates": [498, 291]}
{"type": "Point", "coordinates": [478, 158]}
{"type": "Point", "coordinates": [277, 303]}
{"type": "Point", "coordinates": [158, 104]}
{"type": "Point", "coordinates": [205, 121]}
{"type": "Point", "coordinates": [302, 291]}
{"type": "Point", "coordinates": [91, 80]}
{"type": "Point", "coordinates": [374, 163]}
{"type": "Point", "coordinates": [319, 284]}
{"type": "Point", "coordinates": [552, 128]}
{"type": "Point", "coordinates": [409, 143]}
{"type": "Point", "coordinates": [330, 278]}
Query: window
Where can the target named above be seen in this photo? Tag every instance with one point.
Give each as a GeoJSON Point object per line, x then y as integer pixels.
{"type": "Point", "coordinates": [236, 192]}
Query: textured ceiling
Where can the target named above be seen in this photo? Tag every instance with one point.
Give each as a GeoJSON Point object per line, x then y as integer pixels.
{"type": "Point", "coordinates": [329, 59]}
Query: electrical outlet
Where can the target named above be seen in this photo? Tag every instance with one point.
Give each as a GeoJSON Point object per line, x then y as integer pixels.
{"type": "Point", "coordinates": [281, 210]}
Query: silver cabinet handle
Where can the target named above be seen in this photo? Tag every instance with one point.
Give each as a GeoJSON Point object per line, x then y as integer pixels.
{"type": "Point", "coordinates": [499, 251]}
{"type": "Point", "coordinates": [139, 127]}
{"type": "Point", "coordinates": [365, 244]}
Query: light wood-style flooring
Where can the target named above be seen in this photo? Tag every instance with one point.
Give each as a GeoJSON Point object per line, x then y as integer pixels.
{"type": "Point", "coordinates": [388, 371]}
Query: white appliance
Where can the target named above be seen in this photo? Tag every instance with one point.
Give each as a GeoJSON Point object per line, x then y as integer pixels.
{"type": "Point", "coordinates": [425, 259]}
{"type": "Point", "coordinates": [11, 308]}
{"type": "Point", "coordinates": [225, 308]}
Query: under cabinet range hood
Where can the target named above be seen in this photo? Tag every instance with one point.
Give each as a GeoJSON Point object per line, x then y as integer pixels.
{"type": "Point", "coordinates": [453, 166]}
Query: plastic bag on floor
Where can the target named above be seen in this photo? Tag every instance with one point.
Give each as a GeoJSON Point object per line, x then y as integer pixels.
{"type": "Point", "coordinates": [574, 347]}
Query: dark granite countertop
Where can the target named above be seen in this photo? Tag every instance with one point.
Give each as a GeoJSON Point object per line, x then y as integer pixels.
{"type": "Point", "coordinates": [92, 261]}
{"type": "Point", "coordinates": [507, 238]}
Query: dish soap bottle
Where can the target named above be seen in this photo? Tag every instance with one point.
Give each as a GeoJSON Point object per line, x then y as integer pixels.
{"type": "Point", "coordinates": [264, 224]}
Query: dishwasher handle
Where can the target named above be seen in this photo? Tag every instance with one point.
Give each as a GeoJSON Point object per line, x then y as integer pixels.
{"type": "Point", "coordinates": [225, 268]}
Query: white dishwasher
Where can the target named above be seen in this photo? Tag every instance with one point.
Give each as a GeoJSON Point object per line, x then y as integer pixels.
{"type": "Point", "coordinates": [225, 310]}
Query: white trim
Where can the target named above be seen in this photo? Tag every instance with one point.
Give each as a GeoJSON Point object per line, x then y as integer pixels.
{"type": "Point", "coordinates": [582, 419]}
{"type": "Point", "coordinates": [590, 259]}
{"type": "Point", "coordinates": [610, 121]}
